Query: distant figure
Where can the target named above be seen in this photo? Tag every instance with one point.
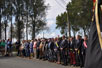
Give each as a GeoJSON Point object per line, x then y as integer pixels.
{"type": "Point", "coordinates": [9, 47]}
{"type": "Point", "coordinates": [18, 47]}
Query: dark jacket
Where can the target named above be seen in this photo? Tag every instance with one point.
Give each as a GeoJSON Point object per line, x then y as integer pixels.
{"type": "Point", "coordinates": [78, 44]}
{"type": "Point", "coordinates": [64, 44]}
{"type": "Point", "coordinates": [52, 46]}
{"type": "Point", "coordinates": [71, 45]}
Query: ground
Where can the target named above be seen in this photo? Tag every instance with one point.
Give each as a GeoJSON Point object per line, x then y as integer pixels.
{"type": "Point", "coordinates": [17, 62]}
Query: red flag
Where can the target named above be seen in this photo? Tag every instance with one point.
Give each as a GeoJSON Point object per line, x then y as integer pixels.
{"type": "Point", "coordinates": [94, 4]}
{"type": "Point", "coordinates": [94, 1]}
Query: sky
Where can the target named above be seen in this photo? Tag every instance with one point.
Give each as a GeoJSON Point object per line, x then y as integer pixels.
{"type": "Point", "coordinates": [56, 8]}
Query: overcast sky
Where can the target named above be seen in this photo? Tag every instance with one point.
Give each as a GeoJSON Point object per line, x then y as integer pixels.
{"type": "Point", "coordinates": [56, 7]}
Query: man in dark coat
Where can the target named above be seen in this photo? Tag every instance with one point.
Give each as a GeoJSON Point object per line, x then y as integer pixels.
{"type": "Point", "coordinates": [18, 47]}
{"type": "Point", "coordinates": [57, 50]}
{"type": "Point", "coordinates": [83, 50]}
{"type": "Point", "coordinates": [78, 45]}
{"type": "Point", "coordinates": [72, 51]}
{"type": "Point", "coordinates": [51, 49]}
{"type": "Point", "coordinates": [37, 49]}
{"type": "Point", "coordinates": [63, 48]}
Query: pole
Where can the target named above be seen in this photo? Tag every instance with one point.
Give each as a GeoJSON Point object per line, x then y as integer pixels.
{"type": "Point", "coordinates": [43, 34]}
{"type": "Point", "coordinates": [27, 29]}
{"type": "Point", "coordinates": [68, 23]}
{"type": "Point", "coordinates": [11, 25]}
{"type": "Point", "coordinates": [11, 20]}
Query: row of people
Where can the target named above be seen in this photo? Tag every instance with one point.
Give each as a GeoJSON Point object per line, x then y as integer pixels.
{"type": "Point", "coordinates": [60, 50]}
{"type": "Point", "coordinates": [6, 47]}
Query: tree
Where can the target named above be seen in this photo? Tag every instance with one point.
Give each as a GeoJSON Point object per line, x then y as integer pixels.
{"type": "Point", "coordinates": [0, 23]}
{"type": "Point", "coordinates": [34, 11]}
{"type": "Point", "coordinates": [61, 21]}
{"type": "Point", "coordinates": [38, 14]}
{"type": "Point", "coordinates": [1, 6]}
{"type": "Point", "coordinates": [79, 12]}
{"type": "Point", "coordinates": [19, 30]}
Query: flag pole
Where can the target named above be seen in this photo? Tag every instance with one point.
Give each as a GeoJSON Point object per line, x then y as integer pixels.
{"type": "Point", "coordinates": [97, 23]}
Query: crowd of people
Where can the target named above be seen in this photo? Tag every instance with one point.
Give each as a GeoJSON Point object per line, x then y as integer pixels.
{"type": "Point", "coordinates": [65, 51]}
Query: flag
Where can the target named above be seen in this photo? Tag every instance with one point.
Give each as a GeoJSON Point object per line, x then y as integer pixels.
{"type": "Point", "coordinates": [94, 1]}
{"type": "Point", "coordinates": [94, 50]}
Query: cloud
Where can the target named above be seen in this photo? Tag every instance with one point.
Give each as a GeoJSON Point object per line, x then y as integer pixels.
{"type": "Point", "coordinates": [54, 10]}
{"type": "Point", "coordinates": [50, 22]}
{"type": "Point", "coordinates": [53, 34]}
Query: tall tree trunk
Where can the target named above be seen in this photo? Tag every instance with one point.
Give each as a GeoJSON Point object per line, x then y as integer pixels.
{"type": "Point", "coordinates": [18, 27]}
{"type": "Point", "coordinates": [84, 31]}
{"type": "Point", "coordinates": [18, 14]}
{"type": "Point", "coordinates": [69, 30]}
{"type": "Point", "coordinates": [33, 31]}
{"type": "Point", "coordinates": [19, 35]}
{"type": "Point", "coordinates": [5, 30]}
{"type": "Point", "coordinates": [23, 21]}
{"type": "Point", "coordinates": [0, 23]}
{"type": "Point", "coordinates": [34, 18]}
{"type": "Point", "coordinates": [11, 23]}
{"type": "Point", "coordinates": [11, 28]}
{"type": "Point", "coordinates": [27, 28]}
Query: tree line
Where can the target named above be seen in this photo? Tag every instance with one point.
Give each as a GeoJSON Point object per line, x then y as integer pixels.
{"type": "Point", "coordinates": [79, 16]}
{"type": "Point", "coordinates": [22, 17]}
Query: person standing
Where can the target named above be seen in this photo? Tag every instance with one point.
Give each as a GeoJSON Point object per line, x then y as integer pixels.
{"type": "Point", "coordinates": [31, 49]}
{"type": "Point", "coordinates": [34, 47]}
{"type": "Point", "coordinates": [83, 49]}
{"type": "Point", "coordinates": [63, 48]}
{"type": "Point", "coordinates": [46, 50]}
{"type": "Point", "coordinates": [3, 47]}
{"type": "Point", "coordinates": [27, 48]}
{"type": "Point", "coordinates": [72, 51]}
{"type": "Point", "coordinates": [41, 48]}
{"type": "Point", "coordinates": [18, 47]}
{"type": "Point", "coordinates": [37, 49]}
{"type": "Point", "coordinates": [22, 48]}
{"type": "Point", "coordinates": [78, 44]}
{"type": "Point", "coordinates": [9, 47]}
{"type": "Point", "coordinates": [51, 50]}
{"type": "Point", "coordinates": [57, 50]}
